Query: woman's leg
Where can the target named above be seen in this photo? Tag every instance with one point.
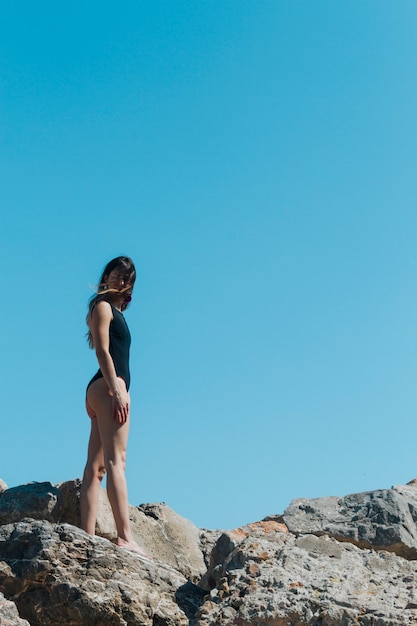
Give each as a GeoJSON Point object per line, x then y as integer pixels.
{"type": "Point", "coordinates": [93, 475]}
{"type": "Point", "coordinates": [113, 438]}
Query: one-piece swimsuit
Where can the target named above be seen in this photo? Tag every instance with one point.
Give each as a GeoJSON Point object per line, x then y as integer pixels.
{"type": "Point", "coordinates": [119, 347]}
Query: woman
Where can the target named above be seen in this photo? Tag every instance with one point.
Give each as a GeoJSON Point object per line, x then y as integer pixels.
{"type": "Point", "coordinates": [108, 400]}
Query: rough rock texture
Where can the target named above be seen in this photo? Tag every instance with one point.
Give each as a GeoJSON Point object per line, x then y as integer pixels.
{"type": "Point", "coordinates": [228, 541]}
{"type": "Point", "coordinates": [70, 511]}
{"type": "Point", "coordinates": [37, 500]}
{"type": "Point", "coordinates": [9, 615]}
{"type": "Point", "coordinates": [383, 520]}
{"type": "Point", "coordinates": [159, 530]}
{"type": "Point", "coordinates": [59, 575]}
{"type": "Point", "coordinates": [169, 538]}
{"type": "Point", "coordinates": [270, 577]}
{"type": "Point", "coordinates": [349, 561]}
{"type": "Point", "coordinates": [208, 539]}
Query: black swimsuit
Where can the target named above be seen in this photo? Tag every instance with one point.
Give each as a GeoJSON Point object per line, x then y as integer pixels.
{"type": "Point", "coordinates": [119, 347]}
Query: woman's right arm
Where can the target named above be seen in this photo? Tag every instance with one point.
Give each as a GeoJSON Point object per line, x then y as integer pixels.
{"type": "Point", "coordinates": [99, 323]}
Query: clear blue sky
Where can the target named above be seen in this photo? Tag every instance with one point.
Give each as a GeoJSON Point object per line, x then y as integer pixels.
{"type": "Point", "coordinates": [258, 161]}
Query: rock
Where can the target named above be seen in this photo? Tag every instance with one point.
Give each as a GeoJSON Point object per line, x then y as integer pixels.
{"type": "Point", "coordinates": [160, 531]}
{"type": "Point", "coordinates": [37, 500]}
{"type": "Point", "coordinates": [3, 486]}
{"type": "Point", "coordinates": [70, 512]}
{"type": "Point", "coordinates": [270, 577]}
{"type": "Point", "coordinates": [383, 520]}
{"type": "Point", "coordinates": [208, 539]}
{"type": "Point", "coordinates": [169, 537]}
{"type": "Point", "coordinates": [228, 541]}
{"type": "Point", "coordinates": [57, 574]}
{"type": "Point", "coordinates": [333, 561]}
{"type": "Point", "coordinates": [9, 615]}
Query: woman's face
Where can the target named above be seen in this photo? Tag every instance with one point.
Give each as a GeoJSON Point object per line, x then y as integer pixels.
{"type": "Point", "coordinates": [116, 279]}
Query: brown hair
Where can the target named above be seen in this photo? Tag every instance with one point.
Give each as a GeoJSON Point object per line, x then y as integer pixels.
{"type": "Point", "coordinates": [127, 269]}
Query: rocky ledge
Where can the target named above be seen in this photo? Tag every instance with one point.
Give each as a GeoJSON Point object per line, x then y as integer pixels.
{"type": "Point", "coordinates": [337, 561]}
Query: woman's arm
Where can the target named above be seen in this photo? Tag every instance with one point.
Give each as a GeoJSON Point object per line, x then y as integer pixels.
{"type": "Point", "coordinates": [99, 323]}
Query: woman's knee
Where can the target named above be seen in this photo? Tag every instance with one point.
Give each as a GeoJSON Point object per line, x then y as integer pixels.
{"type": "Point", "coordinates": [116, 459]}
{"type": "Point", "coordinates": [94, 472]}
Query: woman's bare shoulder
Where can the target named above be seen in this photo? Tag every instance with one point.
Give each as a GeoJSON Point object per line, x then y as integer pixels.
{"type": "Point", "coordinates": [102, 310]}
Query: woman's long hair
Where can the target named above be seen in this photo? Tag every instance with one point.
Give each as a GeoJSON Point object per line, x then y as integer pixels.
{"type": "Point", "coordinates": [127, 269]}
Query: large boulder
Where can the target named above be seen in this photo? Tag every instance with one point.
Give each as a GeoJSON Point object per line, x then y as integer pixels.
{"type": "Point", "coordinates": [325, 562]}
{"type": "Point", "coordinates": [70, 511]}
{"type": "Point", "coordinates": [269, 577]}
{"type": "Point", "coordinates": [228, 541]}
{"type": "Point", "coordinates": [37, 500]}
{"type": "Point", "coordinates": [57, 574]}
{"type": "Point", "coordinates": [170, 538]}
{"type": "Point", "coordinates": [385, 519]}
{"type": "Point", "coordinates": [159, 530]}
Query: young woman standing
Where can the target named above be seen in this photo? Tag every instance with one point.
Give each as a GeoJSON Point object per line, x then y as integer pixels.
{"type": "Point", "coordinates": [108, 400]}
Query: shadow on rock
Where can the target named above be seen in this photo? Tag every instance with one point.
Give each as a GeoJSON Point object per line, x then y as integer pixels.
{"type": "Point", "coordinates": [189, 598]}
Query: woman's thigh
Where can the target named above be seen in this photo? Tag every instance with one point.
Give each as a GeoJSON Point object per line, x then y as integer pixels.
{"type": "Point", "coordinates": [112, 434]}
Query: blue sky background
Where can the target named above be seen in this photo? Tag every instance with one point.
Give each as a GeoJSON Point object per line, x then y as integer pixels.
{"type": "Point", "coordinates": [258, 162]}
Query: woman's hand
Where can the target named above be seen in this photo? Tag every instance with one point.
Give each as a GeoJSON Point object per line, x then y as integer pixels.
{"type": "Point", "coordinates": [120, 401]}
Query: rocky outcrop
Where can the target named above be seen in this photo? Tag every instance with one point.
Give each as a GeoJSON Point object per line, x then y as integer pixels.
{"type": "Point", "coordinates": [383, 520]}
{"type": "Point", "coordinates": [59, 575]}
{"type": "Point", "coordinates": [159, 530]}
{"type": "Point", "coordinates": [270, 577]}
{"type": "Point", "coordinates": [36, 500]}
{"type": "Point", "coordinates": [169, 538]}
{"type": "Point", "coordinates": [348, 561]}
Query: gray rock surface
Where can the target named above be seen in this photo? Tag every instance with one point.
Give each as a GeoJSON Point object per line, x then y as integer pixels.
{"type": "Point", "coordinates": [270, 577]}
{"type": "Point", "coordinates": [70, 510]}
{"type": "Point", "coordinates": [156, 527]}
{"type": "Point", "coordinates": [384, 520]}
{"type": "Point", "coordinates": [57, 574]}
{"type": "Point", "coordinates": [9, 615]}
{"type": "Point", "coordinates": [159, 530]}
{"type": "Point", "coordinates": [37, 500]}
{"type": "Point", "coordinates": [338, 561]}
{"type": "Point", "coordinates": [170, 538]}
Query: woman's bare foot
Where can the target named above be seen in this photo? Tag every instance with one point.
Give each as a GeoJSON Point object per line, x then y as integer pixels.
{"type": "Point", "coordinates": [133, 547]}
